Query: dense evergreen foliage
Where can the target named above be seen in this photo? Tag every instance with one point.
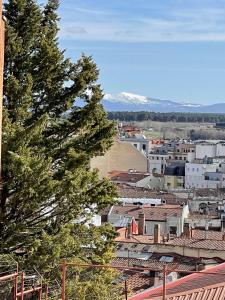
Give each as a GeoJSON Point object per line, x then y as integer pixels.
{"type": "Point", "coordinates": [130, 116]}
{"type": "Point", "coordinates": [49, 192]}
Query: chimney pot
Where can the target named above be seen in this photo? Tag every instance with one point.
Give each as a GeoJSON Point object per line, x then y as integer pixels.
{"type": "Point", "coordinates": [157, 234]}
{"type": "Point", "coordinates": [223, 237]}
{"type": "Point", "coordinates": [188, 232]}
{"type": "Point", "coordinates": [141, 223]}
{"type": "Point", "coordinates": [129, 231]}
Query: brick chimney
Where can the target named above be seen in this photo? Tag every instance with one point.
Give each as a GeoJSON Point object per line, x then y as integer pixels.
{"type": "Point", "coordinates": [129, 231]}
{"type": "Point", "coordinates": [223, 237]}
{"type": "Point", "coordinates": [157, 236]}
{"type": "Point", "coordinates": [141, 223]}
{"type": "Point", "coordinates": [188, 232]}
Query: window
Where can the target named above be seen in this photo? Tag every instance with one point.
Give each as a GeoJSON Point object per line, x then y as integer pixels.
{"type": "Point", "coordinates": [144, 147]}
{"type": "Point", "coordinates": [180, 158]}
{"type": "Point", "coordinates": [185, 158]}
{"type": "Point", "coordinates": [157, 158]}
{"type": "Point", "coordinates": [135, 145]}
{"type": "Point", "coordinates": [173, 230]}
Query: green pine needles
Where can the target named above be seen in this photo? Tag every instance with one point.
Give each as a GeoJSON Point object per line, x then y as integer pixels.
{"type": "Point", "coordinates": [49, 192]}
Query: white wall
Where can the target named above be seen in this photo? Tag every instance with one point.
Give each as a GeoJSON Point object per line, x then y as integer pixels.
{"type": "Point", "coordinates": [220, 149]}
{"type": "Point", "coordinates": [195, 175]}
{"type": "Point", "coordinates": [190, 157]}
{"type": "Point", "coordinates": [158, 162]}
{"type": "Point", "coordinates": [203, 150]}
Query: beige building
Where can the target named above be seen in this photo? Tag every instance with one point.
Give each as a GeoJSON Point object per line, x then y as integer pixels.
{"type": "Point", "coordinates": [173, 182]}
{"type": "Point", "coordinates": [122, 156]}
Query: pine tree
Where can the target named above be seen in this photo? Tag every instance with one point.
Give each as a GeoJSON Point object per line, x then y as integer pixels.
{"type": "Point", "coordinates": [49, 192]}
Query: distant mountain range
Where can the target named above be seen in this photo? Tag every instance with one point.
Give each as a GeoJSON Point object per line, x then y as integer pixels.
{"type": "Point", "coordinates": [132, 102]}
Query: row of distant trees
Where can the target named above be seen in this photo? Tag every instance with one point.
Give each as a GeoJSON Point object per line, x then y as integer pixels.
{"type": "Point", "coordinates": [166, 117]}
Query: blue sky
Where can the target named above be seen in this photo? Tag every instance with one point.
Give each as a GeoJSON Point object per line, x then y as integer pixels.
{"type": "Point", "coordinates": [167, 49]}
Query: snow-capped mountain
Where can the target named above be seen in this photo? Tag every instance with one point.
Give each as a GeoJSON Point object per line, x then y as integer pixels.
{"type": "Point", "coordinates": [133, 102]}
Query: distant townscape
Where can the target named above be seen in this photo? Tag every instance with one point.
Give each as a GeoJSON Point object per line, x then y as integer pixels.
{"type": "Point", "coordinates": [170, 210]}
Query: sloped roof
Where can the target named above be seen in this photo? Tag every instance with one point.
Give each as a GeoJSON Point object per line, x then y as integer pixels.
{"type": "Point", "coordinates": [207, 235]}
{"type": "Point", "coordinates": [200, 244]}
{"type": "Point", "coordinates": [197, 286]}
{"type": "Point", "coordinates": [153, 213]}
{"type": "Point", "coordinates": [126, 191]}
{"type": "Point", "coordinates": [130, 177]}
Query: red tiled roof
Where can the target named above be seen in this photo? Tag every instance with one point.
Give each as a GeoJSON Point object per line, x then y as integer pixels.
{"type": "Point", "coordinates": [214, 292]}
{"type": "Point", "coordinates": [209, 244]}
{"type": "Point", "coordinates": [197, 286]}
{"type": "Point", "coordinates": [200, 244]}
{"type": "Point", "coordinates": [142, 239]}
{"type": "Point", "coordinates": [154, 263]}
{"type": "Point", "coordinates": [126, 176]}
{"type": "Point", "coordinates": [207, 235]}
{"type": "Point", "coordinates": [153, 213]}
{"type": "Point", "coordinates": [126, 191]}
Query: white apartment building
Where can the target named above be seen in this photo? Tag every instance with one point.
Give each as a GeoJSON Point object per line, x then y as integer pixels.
{"type": "Point", "coordinates": [139, 141]}
{"type": "Point", "coordinates": [157, 163]}
{"type": "Point", "coordinates": [210, 149]}
{"type": "Point", "coordinates": [204, 176]}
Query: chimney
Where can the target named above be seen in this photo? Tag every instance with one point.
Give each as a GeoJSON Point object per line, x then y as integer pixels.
{"type": "Point", "coordinates": [223, 237]}
{"type": "Point", "coordinates": [129, 230]}
{"type": "Point", "coordinates": [187, 231]}
{"type": "Point", "coordinates": [157, 234]}
{"type": "Point", "coordinates": [168, 237]}
{"type": "Point", "coordinates": [141, 223]}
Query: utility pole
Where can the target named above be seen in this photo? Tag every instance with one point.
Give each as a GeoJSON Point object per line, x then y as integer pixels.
{"type": "Point", "coordinates": [164, 281]}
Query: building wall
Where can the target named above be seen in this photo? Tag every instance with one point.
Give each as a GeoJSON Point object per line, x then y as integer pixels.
{"type": "Point", "coordinates": [220, 149]}
{"type": "Point", "coordinates": [157, 163]}
{"type": "Point", "coordinates": [191, 157]}
{"type": "Point", "coordinates": [174, 182]}
{"type": "Point", "coordinates": [205, 149]}
{"type": "Point", "coordinates": [188, 251]}
{"type": "Point", "coordinates": [165, 226]}
{"type": "Point", "coordinates": [213, 224]}
{"type": "Point", "coordinates": [156, 183]}
{"type": "Point", "coordinates": [140, 143]}
{"type": "Point", "coordinates": [195, 175]}
{"type": "Point", "coordinates": [122, 156]}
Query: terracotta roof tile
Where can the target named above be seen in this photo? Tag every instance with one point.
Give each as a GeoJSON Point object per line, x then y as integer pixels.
{"type": "Point", "coordinates": [153, 213]}
{"type": "Point", "coordinates": [127, 176]}
{"type": "Point", "coordinates": [154, 263]}
{"type": "Point", "coordinates": [137, 192]}
{"type": "Point", "coordinates": [207, 235]}
{"type": "Point", "coordinates": [198, 286]}
{"type": "Point", "coordinates": [200, 244]}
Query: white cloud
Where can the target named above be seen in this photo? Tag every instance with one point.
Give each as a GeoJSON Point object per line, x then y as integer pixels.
{"type": "Point", "coordinates": [178, 25]}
